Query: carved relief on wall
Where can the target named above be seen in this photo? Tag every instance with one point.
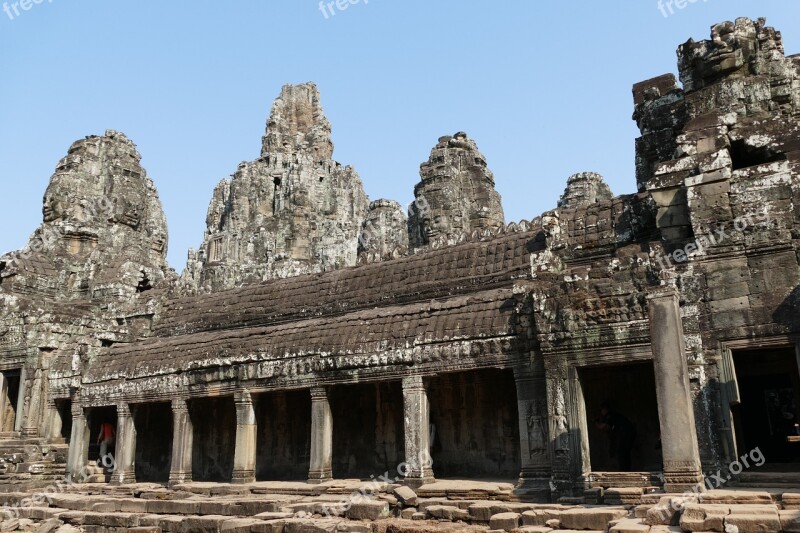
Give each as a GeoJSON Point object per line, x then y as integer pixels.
{"type": "Point", "coordinates": [560, 423]}
{"type": "Point", "coordinates": [537, 436]}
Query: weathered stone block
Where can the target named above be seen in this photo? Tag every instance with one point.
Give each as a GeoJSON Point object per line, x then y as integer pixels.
{"type": "Point", "coordinates": [704, 517]}
{"type": "Point", "coordinates": [790, 520]}
{"type": "Point", "coordinates": [665, 513]}
{"type": "Point", "coordinates": [132, 505]}
{"type": "Point", "coordinates": [170, 524]}
{"type": "Point", "coordinates": [791, 500]}
{"type": "Point", "coordinates": [111, 519]}
{"type": "Point", "coordinates": [505, 521]}
{"type": "Point", "coordinates": [665, 529]}
{"type": "Point", "coordinates": [238, 525]}
{"type": "Point", "coordinates": [593, 518]}
{"type": "Point", "coordinates": [631, 525]}
{"type": "Point", "coordinates": [271, 526]}
{"type": "Point", "coordinates": [753, 519]}
{"type": "Point", "coordinates": [50, 525]}
{"type": "Point", "coordinates": [204, 524]}
{"type": "Point", "coordinates": [406, 495]}
{"type": "Point", "coordinates": [537, 517]}
{"type": "Point", "coordinates": [447, 512]}
{"type": "Point", "coordinates": [104, 507]}
{"type": "Point", "coordinates": [368, 510]}
{"type": "Point", "coordinates": [408, 513]}
{"type": "Point", "coordinates": [173, 507]}
{"type": "Point", "coordinates": [296, 525]}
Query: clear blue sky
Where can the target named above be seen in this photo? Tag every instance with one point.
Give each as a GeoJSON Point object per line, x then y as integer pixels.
{"type": "Point", "coordinates": [543, 87]}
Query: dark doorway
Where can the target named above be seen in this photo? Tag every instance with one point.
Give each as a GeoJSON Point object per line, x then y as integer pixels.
{"type": "Point", "coordinates": [153, 423]}
{"type": "Point", "coordinates": [96, 417]}
{"type": "Point", "coordinates": [283, 421]}
{"type": "Point", "coordinates": [214, 442]}
{"type": "Point", "coordinates": [368, 436]}
{"type": "Point", "coordinates": [629, 420]}
{"type": "Point", "coordinates": [768, 416]}
{"type": "Point", "coordinates": [9, 400]}
{"type": "Point", "coordinates": [64, 409]}
{"type": "Point", "coordinates": [474, 425]}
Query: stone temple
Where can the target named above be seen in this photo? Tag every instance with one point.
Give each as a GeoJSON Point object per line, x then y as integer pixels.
{"type": "Point", "coordinates": [472, 374]}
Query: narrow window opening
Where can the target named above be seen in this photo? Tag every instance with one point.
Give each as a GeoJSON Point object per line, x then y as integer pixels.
{"type": "Point", "coordinates": [144, 283]}
{"type": "Point", "coordinates": [744, 156]}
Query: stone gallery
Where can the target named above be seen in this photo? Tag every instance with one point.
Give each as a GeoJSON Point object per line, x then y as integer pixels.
{"type": "Point", "coordinates": [618, 349]}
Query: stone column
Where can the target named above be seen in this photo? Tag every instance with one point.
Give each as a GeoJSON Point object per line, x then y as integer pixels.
{"type": "Point", "coordinates": [20, 399]}
{"type": "Point", "coordinates": [30, 426]}
{"type": "Point", "coordinates": [417, 432]}
{"type": "Point", "coordinates": [533, 432]}
{"type": "Point", "coordinates": [682, 469]}
{"type": "Point", "coordinates": [321, 437]}
{"type": "Point", "coordinates": [3, 400]}
{"type": "Point", "coordinates": [53, 422]}
{"type": "Point", "coordinates": [182, 442]}
{"type": "Point", "coordinates": [244, 460]}
{"type": "Point", "coordinates": [78, 455]}
{"type": "Point", "coordinates": [125, 449]}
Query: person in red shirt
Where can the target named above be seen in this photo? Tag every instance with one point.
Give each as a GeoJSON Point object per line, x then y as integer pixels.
{"type": "Point", "coordinates": [105, 438]}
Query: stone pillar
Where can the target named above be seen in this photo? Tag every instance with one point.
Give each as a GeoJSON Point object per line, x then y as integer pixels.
{"type": "Point", "coordinates": [53, 422]}
{"type": "Point", "coordinates": [565, 459]}
{"type": "Point", "coordinates": [30, 426]}
{"type": "Point", "coordinates": [20, 399]}
{"type": "Point", "coordinates": [78, 455]}
{"type": "Point", "coordinates": [417, 432]}
{"type": "Point", "coordinates": [3, 400]}
{"type": "Point", "coordinates": [321, 437]}
{"type": "Point", "coordinates": [125, 449]}
{"type": "Point", "coordinates": [533, 432]}
{"type": "Point", "coordinates": [182, 442]}
{"type": "Point", "coordinates": [682, 469]}
{"type": "Point", "coordinates": [244, 460]}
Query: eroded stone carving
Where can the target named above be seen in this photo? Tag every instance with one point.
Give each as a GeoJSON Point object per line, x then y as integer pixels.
{"type": "Point", "coordinates": [584, 189]}
{"type": "Point", "coordinates": [384, 234]}
{"type": "Point", "coordinates": [292, 211]}
{"type": "Point", "coordinates": [457, 193]}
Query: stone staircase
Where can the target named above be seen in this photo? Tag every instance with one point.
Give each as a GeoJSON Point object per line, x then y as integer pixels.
{"type": "Point", "coordinates": [28, 463]}
{"type": "Point", "coordinates": [768, 480]}
{"type": "Point", "coordinates": [354, 506]}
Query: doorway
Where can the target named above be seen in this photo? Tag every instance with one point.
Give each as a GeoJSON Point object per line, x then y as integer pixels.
{"type": "Point", "coordinates": [153, 456]}
{"type": "Point", "coordinates": [767, 416]}
{"type": "Point", "coordinates": [368, 433]}
{"type": "Point", "coordinates": [283, 444]}
{"type": "Point", "coordinates": [9, 399]}
{"type": "Point", "coordinates": [214, 441]}
{"type": "Point", "coordinates": [622, 417]}
{"type": "Point", "coordinates": [475, 425]}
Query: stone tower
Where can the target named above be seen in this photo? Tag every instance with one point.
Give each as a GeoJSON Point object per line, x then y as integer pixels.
{"type": "Point", "coordinates": [583, 189]}
{"type": "Point", "coordinates": [104, 233]}
{"type": "Point", "coordinates": [385, 234]}
{"type": "Point", "coordinates": [456, 194]}
{"type": "Point", "coordinates": [292, 211]}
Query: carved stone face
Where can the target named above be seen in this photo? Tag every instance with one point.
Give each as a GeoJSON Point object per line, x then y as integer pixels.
{"type": "Point", "coordinates": [722, 36]}
{"type": "Point", "coordinates": [456, 191]}
{"type": "Point", "coordinates": [731, 49]}
{"type": "Point", "coordinates": [67, 199]}
{"type": "Point", "coordinates": [433, 226]}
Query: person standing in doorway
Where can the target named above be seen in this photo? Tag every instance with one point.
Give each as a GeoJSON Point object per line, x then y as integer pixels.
{"type": "Point", "coordinates": [105, 439]}
{"type": "Point", "coordinates": [621, 432]}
